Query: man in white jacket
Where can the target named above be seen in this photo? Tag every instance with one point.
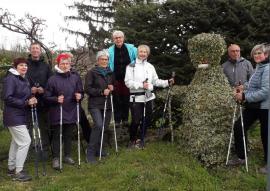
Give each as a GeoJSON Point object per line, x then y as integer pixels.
{"type": "Point", "coordinates": [140, 78]}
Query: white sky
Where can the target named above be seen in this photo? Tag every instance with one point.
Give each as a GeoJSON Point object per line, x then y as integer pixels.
{"type": "Point", "coordinates": [53, 11]}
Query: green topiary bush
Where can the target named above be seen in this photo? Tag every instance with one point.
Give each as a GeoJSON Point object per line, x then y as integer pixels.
{"type": "Point", "coordinates": [208, 106]}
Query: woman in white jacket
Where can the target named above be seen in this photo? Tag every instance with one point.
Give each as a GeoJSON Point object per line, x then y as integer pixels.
{"type": "Point", "coordinates": [140, 78]}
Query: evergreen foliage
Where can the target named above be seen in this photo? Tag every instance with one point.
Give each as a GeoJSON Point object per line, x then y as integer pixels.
{"type": "Point", "coordinates": [98, 15]}
{"type": "Point", "coordinates": [167, 27]}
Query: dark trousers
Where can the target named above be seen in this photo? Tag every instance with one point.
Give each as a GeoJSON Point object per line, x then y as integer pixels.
{"type": "Point", "coordinates": [249, 117]}
{"type": "Point", "coordinates": [137, 119]}
{"type": "Point", "coordinates": [121, 107]}
{"type": "Point", "coordinates": [67, 139]}
{"type": "Point", "coordinates": [95, 137]}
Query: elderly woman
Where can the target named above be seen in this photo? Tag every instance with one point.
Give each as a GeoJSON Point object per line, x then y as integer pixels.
{"type": "Point", "coordinates": [121, 54]}
{"type": "Point", "coordinates": [98, 86]}
{"type": "Point", "coordinates": [141, 77]}
{"type": "Point", "coordinates": [255, 95]}
{"type": "Point", "coordinates": [63, 88]}
{"type": "Point", "coordinates": [17, 99]}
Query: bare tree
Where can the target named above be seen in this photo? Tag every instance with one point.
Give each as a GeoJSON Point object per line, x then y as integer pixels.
{"type": "Point", "coordinates": [30, 26]}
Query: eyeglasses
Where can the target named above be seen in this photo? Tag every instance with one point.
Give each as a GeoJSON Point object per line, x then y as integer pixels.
{"type": "Point", "coordinates": [257, 53]}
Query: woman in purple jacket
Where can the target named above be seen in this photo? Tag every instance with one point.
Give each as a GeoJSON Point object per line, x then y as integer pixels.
{"type": "Point", "coordinates": [17, 99]}
{"type": "Point", "coordinates": [63, 88]}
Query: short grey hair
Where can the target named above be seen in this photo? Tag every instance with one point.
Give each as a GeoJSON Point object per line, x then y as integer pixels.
{"type": "Point", "coordinates": [146, 47]}
{"type": "Point", "coordinates": [102, 53]}
{"type": "Point", "coordinates": [118, 33]}
{"type": "Point", "coordinates": [263, 47]}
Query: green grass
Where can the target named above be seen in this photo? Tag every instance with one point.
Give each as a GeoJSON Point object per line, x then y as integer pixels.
{"type": "Point", "coordinates": [161, 166]}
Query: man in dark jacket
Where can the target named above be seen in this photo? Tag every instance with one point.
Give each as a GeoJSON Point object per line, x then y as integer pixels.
{"type": "Point", "coordinates": [38, 74]}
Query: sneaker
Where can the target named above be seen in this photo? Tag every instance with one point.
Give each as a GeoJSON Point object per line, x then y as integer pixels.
{"type": "Point", "coordinates": [22, 176]}
{"type": "Point", "coordinates": [11, 172]}
{"type": "Point", "coordinates": [56, 164]}
{"type": "Point", "coordinates": [263, 170]}
{"type": "Point", "coordinates": [236, 162]}
{"type": "Point", "coordinates": [69, 160]}
{"type": "Point", "coordinates": [139, 144]}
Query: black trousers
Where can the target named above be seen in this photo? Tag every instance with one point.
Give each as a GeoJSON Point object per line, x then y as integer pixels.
{"type": "Point", "coordinates": [137, 119]}
{"type": "Point", "coordinates": [95, 137]}
{"type": "Point", "coordinates": [121, 107]}
{"type": "Point", "coordinates": [249, 117]}
{"type": "Point", "coordinates": [67, 139]}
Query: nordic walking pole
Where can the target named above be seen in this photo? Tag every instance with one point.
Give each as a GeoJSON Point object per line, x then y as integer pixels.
{"type": "Point", "coordinates": [61, 135]}
{"type": "Point", "coordinates": [115, 137]}
{"type": "Point", "coordinates": [244, 138]}
{"type": "Point", "coordinates": [231, 136]}
{"type": "Point", "coordinates": [103, 126]}
{"type": "Point", "coordinates": [40, 142]}
{"type": "Point", "coordinates": [144, 116]}
{"type": "Point", "coordinates": [165, 107]}
{"type": "Point", "coordinates": [79, 140]}
{"type": "Point", "coordinates": [35, 140]}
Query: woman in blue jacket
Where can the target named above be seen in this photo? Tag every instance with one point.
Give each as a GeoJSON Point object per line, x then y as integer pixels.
{"type": "Point", "coordinates": [63, 88]}
{"type": "Point", "coordinates": [17, 99]}
{"type": "Point", "coordinates": [255, 95]}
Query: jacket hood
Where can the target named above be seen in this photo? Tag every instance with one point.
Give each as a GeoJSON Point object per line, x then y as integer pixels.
{"type": "Point", "coordinates": [14, 71]}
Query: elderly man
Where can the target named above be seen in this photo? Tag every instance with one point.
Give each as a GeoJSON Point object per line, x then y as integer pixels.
{"type": "Point", "coordinates": [237, 69]}
{"type": "Point", "coordinates": [120, 55]}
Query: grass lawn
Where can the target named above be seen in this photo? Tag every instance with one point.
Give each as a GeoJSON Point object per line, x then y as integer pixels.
{"type": "Point", "coordinates": [161, 166]}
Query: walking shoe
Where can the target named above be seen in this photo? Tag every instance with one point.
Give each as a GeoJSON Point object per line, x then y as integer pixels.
{"type": "Point", "coordinates": [236, 162]}
{"type": "Point", "coordinates": [263, 170]}
{"type": "Point", "coordinates": [56, 164]}
{"type": "Point", "coordinates": [139, 144]}
{"type": "Point", "coordinates": [22, 176]}
{"type": "Point", "coordinates": [69, 160]}
{"type": "Point", "coordinates": [11, 172]}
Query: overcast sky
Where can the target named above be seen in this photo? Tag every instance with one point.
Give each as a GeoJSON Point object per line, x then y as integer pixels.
{"type": "Point", "coordinates": [53, 11]}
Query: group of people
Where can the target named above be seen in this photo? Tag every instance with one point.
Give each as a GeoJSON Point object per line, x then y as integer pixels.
{"type": "Point", "coordinates": [251, 90]}
{"type": "Point", "coordinates": [121, 71]}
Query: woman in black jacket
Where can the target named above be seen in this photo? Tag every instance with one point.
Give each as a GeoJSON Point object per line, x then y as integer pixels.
{"type": "Point", "coordinates": [17, 99]}
{"type": "Point", "coordinates": [98, 86]}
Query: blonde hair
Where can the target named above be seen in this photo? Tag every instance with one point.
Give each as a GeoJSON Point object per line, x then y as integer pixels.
{"type": "Point", "coordinates": [146, 47]}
